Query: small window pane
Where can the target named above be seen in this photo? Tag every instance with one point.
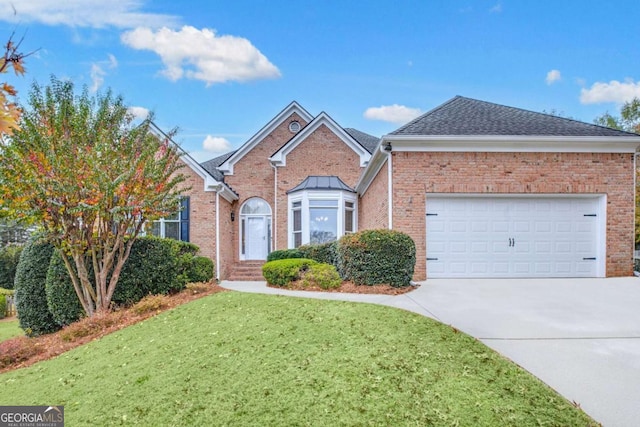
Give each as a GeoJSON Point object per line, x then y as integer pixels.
{"type": "Point", "coordinates": [297, 239]}
{"type": "Point", "coordinates": [172, 230]}
{"type": "Point", "coordinates": [173, 217]}
{"type": "Point", "coordinates": [348, 205]}
{"type": "Point", "coordinates": [323, 203]}
{"type": "Point", "coordinates": [297, 220]}
{"type": "Point", "coordinates": [296, 204]}
{"type": "Point", "coordinates": [155, 229]}
{"type": "Point", "coordinates": [256, 206]}
{"type": "Point", "coordinates": [348, 221]}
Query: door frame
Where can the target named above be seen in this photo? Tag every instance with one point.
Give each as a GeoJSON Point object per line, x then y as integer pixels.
{"type": "Point", "coordinates": [243, 228]}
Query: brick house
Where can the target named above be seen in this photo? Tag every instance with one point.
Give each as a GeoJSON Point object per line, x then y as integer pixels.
{"type": "Point", "coordinates": [484, 190]}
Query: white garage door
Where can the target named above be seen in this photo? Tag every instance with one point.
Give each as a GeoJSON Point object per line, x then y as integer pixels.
{"type": "Point", "coordinates": [514, 236]}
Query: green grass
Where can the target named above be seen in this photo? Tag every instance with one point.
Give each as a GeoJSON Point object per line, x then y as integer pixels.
{"type": "Point", "coordinates": [9, 329]}
{"type": "Point", "coordinates": [256, 360]}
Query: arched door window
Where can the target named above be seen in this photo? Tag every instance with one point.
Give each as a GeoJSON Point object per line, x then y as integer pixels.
{"type": "Point", "coordinates": [255, 229]}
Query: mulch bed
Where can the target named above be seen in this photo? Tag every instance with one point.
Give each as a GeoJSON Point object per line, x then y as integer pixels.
{"type": "Point", "coordinates": [351, 288]}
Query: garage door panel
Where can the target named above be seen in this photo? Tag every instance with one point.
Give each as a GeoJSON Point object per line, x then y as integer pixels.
{"type": "Point", "coordinates": [512, 236]}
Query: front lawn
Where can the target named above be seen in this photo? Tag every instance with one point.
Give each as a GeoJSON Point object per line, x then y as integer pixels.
{"type": "Point", "coordinates": [247, 359]}
{"type": "Point", "coordinates": [9, 328]}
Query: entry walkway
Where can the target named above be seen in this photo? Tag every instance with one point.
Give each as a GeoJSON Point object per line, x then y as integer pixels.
{"type": "Point", "coordinates": [580, 336]}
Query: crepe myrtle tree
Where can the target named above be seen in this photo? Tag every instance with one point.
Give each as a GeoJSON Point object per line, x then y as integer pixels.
{"type": "Point", "coordinates": [80, 168]}
{"type": "Point", "coordinates": [11, 58]}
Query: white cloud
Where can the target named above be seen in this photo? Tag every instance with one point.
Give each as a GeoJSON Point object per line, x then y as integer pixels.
{"type": "Point", "coordinates": [497, 8]}
{"type": "Point", "coordinates": [614, 91]}
{"type": "Point", "coordinates": [201, 55]}
{"type": "Point", "coordinates": [553, 76]}
{"type": "Point", "coordinates": [392, 113]}
{"type": "Point", "coordinates": [139, 113]}
{"type": "Point", "coordinates": [97, 77]}
{"type": "Point", "coordinates": [216, 144]}
{"type": "Point", "coordinates": [84, 13]}
{"type": "Point", "coordinates": [98, 73]}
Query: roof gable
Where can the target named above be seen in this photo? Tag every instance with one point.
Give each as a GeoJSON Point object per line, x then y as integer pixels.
{"type": "Point", "coordinates": [211, 183]}
{"type": "Point", "coordinates": [227, 166]}
{"type": "Point", "coordinates": [465, 116]}
{"type": "Point", "coordinates": [279, 158]}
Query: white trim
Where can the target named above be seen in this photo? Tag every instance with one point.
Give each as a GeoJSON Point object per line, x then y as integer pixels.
{"type": "Point", "coordinates": [241, 217]}
{"type": "Point", "coordinates": [294, 107]}
{"type": "Point", "coordinates": [217, 236]}
{"type": "Point", "coordinates": [515, 143]}
{"type": "Point", "coordinates": [390, 190]}
{"type": "Point", "coordinates": [305, 196]}
{"type": "Point", "coordinates": [280, 156]}
{"type": "Point", "coordinates": [274, 218]}
{"type": "Point", "coordinates": [376, 162]}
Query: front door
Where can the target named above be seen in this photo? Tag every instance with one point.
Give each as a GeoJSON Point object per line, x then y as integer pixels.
{"type": "Point", "coordinates": [256, 238]}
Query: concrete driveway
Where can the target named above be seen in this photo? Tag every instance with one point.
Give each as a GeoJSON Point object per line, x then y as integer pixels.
{"type": "Point", "coordinates": [580, 336]}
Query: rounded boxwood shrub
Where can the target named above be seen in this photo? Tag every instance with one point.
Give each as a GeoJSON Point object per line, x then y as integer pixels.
{"type": "Point", "coordinates": [62, 299]}
{"type": "Point", "coordinates": [284, 254]}
{"type": "Point", "coordinates": [3, 306]}
{"type": "Point", "coordinates": [9, 257]}
{"type": "Point", "coordinates": [200, 269]}
{"type": "Point", "coordinates": [30, 296]}
{"type": "Point", "coordinates": [372, 257]}
{"type": "Point", "coordinates": [323, 253]}
{"type": "Point", "coordinates": [152, 268]}
{"type": "Point", "coordinates": [284, 271]}
{"type": "Point", "coordinates": [323, 275]}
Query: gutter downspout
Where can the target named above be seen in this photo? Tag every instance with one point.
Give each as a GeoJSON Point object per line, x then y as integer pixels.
{"type": "Point", "coordinates": [274, 217]}
{"type": "Point", "coordinates": [387, 150]}
{"type": "Point", "coordinates": [218, 235]}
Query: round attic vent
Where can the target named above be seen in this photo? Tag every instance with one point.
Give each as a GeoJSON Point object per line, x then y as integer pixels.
{"type": "Point", "coordinates": [294, 126]}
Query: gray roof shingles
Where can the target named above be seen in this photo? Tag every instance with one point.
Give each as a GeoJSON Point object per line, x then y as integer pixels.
{"type": "Point", "coordinates": [465, 116]}
{"type": "Point", "coordinates": [369, 142]}
{"type": "Point", "coordinates": [322, 183]}
{"type": "Point", "coordinates": [211, 166]}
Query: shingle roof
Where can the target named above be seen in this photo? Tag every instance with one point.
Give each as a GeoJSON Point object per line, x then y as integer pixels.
{"type": "Point", "coordinates": [466, 116]}
{"type": "Point", "coordinates": [322, 183]}
{"type": "Point", "coordinates": [369, 142]}
{"type": "Point", "coordinates": [212, 165]}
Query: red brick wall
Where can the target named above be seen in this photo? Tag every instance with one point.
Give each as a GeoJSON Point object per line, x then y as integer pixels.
{"type": "Point", "coordinates": [253, 176]}
{"type": "Point", "coordinates": [321, 153]}
{"type": "Point", "coordinates": [227, 237]}
{"type": "Point", "coordinates": [202, 219]}
{"type": "Point", "coordinates": [417, 174]}
{"type": "Point", "coordinates": [374, 204]}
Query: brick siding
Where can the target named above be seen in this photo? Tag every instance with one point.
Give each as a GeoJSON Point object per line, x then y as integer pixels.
{"type": "Point", "coordinates": [417, 174]}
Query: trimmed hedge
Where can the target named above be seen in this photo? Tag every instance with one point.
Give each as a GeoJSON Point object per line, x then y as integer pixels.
{"type": "Point", "coordinates": [372, 257]}
{"type": "Point", "coordinates": [284, 271]}
{"type": "Point", "coordinates": [284, 254]}
{"type": "Point", "coordinates": [31, 299]}
{"type": "Point", "coordinates": [325, 253]}
{"type": "Point", "coordinates": [200, 269]}
{"type": "Point", "coordinates": [323, 275]}
{"type": "Point", "coordinates": [9, 257]}
{"type": "Point", "coordinates": [62, 299]}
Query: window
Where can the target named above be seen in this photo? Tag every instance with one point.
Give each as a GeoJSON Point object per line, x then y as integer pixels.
{"type": "Point", "coordinates": [320, 216]}
{"type": "Point", "coordinates": [296, 207]}
{"type": "Point", "coordinates": [175, 226]}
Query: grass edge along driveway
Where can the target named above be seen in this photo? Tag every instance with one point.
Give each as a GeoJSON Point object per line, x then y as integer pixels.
{"type": "Point", "coordinates": [248, 359]}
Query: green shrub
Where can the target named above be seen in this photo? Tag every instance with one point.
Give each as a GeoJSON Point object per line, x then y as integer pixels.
{"type": "Point", "coordinates": [3, 306]}
{"type": "Point", "coordinates": [152, 268]}
{"type": "Point", "coordinates": [284, 254]}
{"type": "Point", "coordinates": [323, 253]}
{"type": "Point", "coordinates": [9, 257]}
{"type": "Point", "coordinates": [200, 269]}
{"type": "Point", "coordinates": [62, 299]}
{"type": "Point", "coordinates": [373, 257]}
{"type": "Point", "coordinates": [284, 271]}
{"type": "Point", "coordinates": [31, 299]}
{"type": "Point", "coordinates": [323, 275]}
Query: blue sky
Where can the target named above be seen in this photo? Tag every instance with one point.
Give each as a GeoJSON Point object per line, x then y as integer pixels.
{"type": "Point", "coordinates": [220, 70]}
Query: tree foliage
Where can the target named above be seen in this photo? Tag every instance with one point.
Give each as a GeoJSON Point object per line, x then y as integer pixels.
{"type": "Point", "coordinates": [9, 110]}
{"type": "Point", "coordinates": [81, 169]}
{"type": "Point", "coordinates": [629, 121]}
